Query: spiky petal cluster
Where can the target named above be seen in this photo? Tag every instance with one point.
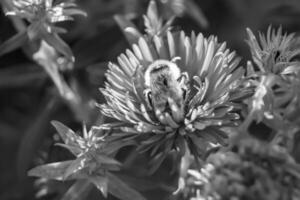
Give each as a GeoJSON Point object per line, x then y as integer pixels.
{"type": "Point", "coordinates": [257, 171]}
{"type": "Point", "coordinates": [92, 151]}
{"type": "Point", "coordinates": [211, 101]}
{"type": "Point", "coordinates": [275, 54]}
{"type": "Point", "coordinates": [45, 12]}
{"type": "Point", "coordinates": [94, 163]}
{"type": "Point", "coordinates": [275, 51]}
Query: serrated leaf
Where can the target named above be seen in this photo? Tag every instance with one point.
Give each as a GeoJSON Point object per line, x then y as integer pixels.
{"type": "Point", "coordinates": [51, 171]}
{"type": "Point", "coordinates": [13, 43]}
{"type": "Point", "coordinates": [121, 190]}
{"type": "Point", "coordinates": [129, 30]}
{"type": "Point", "coordinates": [101, 183]}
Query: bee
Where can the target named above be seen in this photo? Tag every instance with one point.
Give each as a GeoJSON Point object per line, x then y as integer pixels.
{"type": "Point", "coordinates": [165, 84]}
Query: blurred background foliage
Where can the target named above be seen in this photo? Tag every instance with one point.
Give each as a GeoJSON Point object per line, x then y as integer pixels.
{"type": "Point", "coordinates": [29, 99]}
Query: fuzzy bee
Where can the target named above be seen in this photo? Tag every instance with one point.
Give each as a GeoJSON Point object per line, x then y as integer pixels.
{"type": "Point", "coordinates": [166, 85]}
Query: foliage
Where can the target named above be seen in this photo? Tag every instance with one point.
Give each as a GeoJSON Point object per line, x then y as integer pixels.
{"type": "Point", "coordinates": [178, 116]}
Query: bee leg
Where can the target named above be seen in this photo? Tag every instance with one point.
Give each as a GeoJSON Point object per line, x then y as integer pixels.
{"type": "Point", "coordinates": [183, 82]}
{"type": "Point", "coordinates": [183, 78]}
{"type": "Point", "coordinates": [148, 97]}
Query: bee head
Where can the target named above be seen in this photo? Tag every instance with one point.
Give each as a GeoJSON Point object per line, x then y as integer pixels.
{"type": "Point", "coordinates": [161, 69]}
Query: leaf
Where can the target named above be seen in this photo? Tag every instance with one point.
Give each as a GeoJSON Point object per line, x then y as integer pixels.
{"type": "Point", "coordinates": [153, 24]}
{"type": "Point", "coordinates": [106, 160]}
{"type": "Point", "coordinates": [129, 30]}
{"type": "Point", "coordinates": [74, 11]}
{"type": "Point", "coordinates": [64, 131]}
{"type": "Point", "coordinates": [34, 135]}
{"type": "Point", "coordinates": [58, 44]}
{"type": "Point", "coordinates": [121, 190]}
{"type": "Point", "coordinates": [196, 13]}
{"type": "Point", "coordinates": [78, 191]}
{"type": "Point", "coordinates": [21, 76]}
{"type": "Point", "coordinates": [114, 146]}
{"type": "Point", "coordinates": [46, 56]}
{"type": "Point", "coordinates": [101, 183]}
{"type": "Point", "coordinates": [74, 167]}
{"type": "Point", "coordinates": [13, 43]}
{"type": "Point", "coordinates": [68, 136]}
{"type": "Point", "coordinates": [51, 171]}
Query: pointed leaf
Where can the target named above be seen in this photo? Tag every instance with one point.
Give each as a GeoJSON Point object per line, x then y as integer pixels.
{"type": "Point", "coordinates": [74, 167]}
{"type": "Point", "coordinates": [51, 171]}
{"type": "Point", "coordinates": [107, 160]}
{"type": "Point", "coordinates": [152, 14]}
{"type": "Point", "coordinates": [129, 30]}
{"type": "Point", "coordinates": [34, 135]}
{"type": "Point", "coordinates": [121, 190]}
{"type": "Point", "coordinates": [13, 43]}
{"type": "Point", "coordinates": [58, 44]}
{"type": "Point", "coordinates": [78, 191]}
{"type": "Point", "coordinates": [196, 13]}
{"type": "Point", "coordinates": [101, 183]}
{"type": "Point", "coordinates": [74, 11]}
{"type": "Point", "coordinates": [64, 131]}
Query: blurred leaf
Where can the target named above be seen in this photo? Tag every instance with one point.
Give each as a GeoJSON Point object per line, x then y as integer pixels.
{"type": "Point", "coordinates": [74, 11]}
{"type": "Point", "coordinates": [74, 167]}
{"type": "Point", "coordinates": [101, 183]}
{"type": "Point", "coordinates": [33, 136]}
{"type": "Point", "coordinates": [58, 44]}
{"type": "Point", "coordinates": [154, 23]}
{"type": "Point", "coordinates": [106, 160]}
{"type": "Point", "coordinates": [78, 191]}
{"type": "Point", "coordinates": [121, 190]}
{"type": "Point", "coordinates": [51, 171]}
{"type": "Point", "coordinates": [129, 30]}
{"type": "Point", "coordinates": [151, 20]}
{"type": "Point", "coordinates": [13, 43]}
{"type": "Point", "coordinates": [20, 76]}
{"type": "Point", "coordinates": [196, 13]}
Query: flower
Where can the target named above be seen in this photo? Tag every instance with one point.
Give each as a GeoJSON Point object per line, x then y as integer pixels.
{"type": "Point", "coordinates": [257, 171]}
{"type": "Point", "coordinates": [44, 12]}
{"type": "Point", "coordinates": [93, 160]}
{"type": "Point", "coordinates": [41, 15]}
{"type": "Point", "coordinates": [275, 54]}
{"type": "Point", "coordinates": [149, 91]}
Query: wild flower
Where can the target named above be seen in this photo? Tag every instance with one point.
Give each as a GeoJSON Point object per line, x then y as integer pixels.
{"type": "Point", "coordinates": [94, 162]}
{"type": "Point", "coordinates": [174, 92]}
{"type": "Point", "coordinates": [44, 13]}
{"type": "Point", "coordinates": [257, 170]}
{"type": "Point", "coordinates": [276, 56]}
{"type": "Point", "coordinates": [41, 16]}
